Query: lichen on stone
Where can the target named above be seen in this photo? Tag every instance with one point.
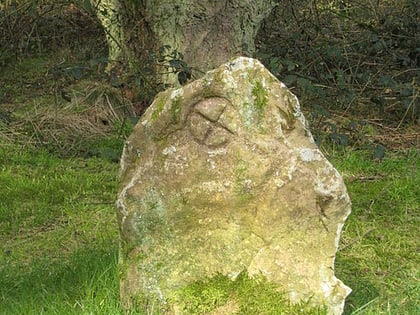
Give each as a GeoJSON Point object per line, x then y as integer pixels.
{"type": "Point", "coordinates": [229, 180]}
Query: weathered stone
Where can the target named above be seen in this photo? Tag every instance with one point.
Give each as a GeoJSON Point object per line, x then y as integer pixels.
{"type": "Point", "coordinates": [222, 176]}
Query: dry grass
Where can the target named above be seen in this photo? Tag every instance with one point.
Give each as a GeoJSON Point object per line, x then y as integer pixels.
{"type": "Point", "coordinates": [95, 111]}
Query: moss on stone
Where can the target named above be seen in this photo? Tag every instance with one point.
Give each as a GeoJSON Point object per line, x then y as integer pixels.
{"type": "Point", "coordinates": [208, 92]}
{"type": "Point", "coordinates": [176, 109]}
{"type": "Point", "coordinates": [160, 105]}
{"type": "Point", "coordinates": [243, 184]}
{"type": "Point", "coordinates": [260, 97]}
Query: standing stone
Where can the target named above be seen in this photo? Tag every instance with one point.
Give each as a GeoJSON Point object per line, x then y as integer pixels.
{"type": "Point", "coordinates": [221, 176]}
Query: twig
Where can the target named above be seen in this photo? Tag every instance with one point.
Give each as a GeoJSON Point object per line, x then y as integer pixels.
{"type": "Point", "coordinates": [356, 240]}
{"type": "Point", "coordinates": [365, 178]}
{"type": "Point", "coordinates": [364, 306]}
{"type": "Point", "coordinates": [406, 112]}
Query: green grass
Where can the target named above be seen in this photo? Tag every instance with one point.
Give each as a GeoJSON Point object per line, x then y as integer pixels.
{"type": "Point", "coordinates": [58, 236]}
{"type": "Point", "coordinates": [379, 256]}
{"type": "Point", "coordinates": [59, 239]}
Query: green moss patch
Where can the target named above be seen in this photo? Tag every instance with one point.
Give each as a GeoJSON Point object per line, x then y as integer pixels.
{"type": "Point", "coordinates": [260, 97]}
{"type": "Point", "coordinates": [244, 295]}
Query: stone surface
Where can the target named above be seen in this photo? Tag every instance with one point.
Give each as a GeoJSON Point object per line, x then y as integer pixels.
{"type": "Point", "coordinates": [222, 176]}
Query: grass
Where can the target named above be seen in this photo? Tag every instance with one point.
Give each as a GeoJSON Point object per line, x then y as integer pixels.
{"type": "Point", "coordinates": [379, 254]}
{"type": "Point", "coordinates": [59, 238]}
{"type": "Point", "coordinates": [58, 234]}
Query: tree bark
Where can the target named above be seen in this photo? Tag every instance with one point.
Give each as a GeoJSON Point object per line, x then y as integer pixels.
{"type": "Point", "coordinates": [108, 13]}
{"type": "Point", "coordinates": [206, 32]}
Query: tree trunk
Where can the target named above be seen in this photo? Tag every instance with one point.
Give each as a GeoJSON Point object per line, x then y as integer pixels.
{"type": "Point", "coordinates": [108, 12]}
{"type": "Point", "coordinates": [206, 33]}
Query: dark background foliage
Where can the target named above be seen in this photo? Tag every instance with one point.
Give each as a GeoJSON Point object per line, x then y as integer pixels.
{"type": "Point", "coordinates": [358, 60]}
{"type": "Point", "coordinates": [353, 64]}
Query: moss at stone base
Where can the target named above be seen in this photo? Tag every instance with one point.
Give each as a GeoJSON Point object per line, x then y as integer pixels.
{"type": "Point", "coordinates": [221, 295]}
{"type": "Point", "coordinates": [244, 295]}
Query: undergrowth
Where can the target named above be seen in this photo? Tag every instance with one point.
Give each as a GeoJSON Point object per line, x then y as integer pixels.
{"type": "Point", "coordinates": [353, 64]}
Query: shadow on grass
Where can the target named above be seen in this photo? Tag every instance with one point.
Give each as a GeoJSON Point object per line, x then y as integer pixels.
{"type": "Point", "coordinates": [370, 297]}
{"type": "Point", "coordinates": [84, 282]}
{"type": "Point", "coordinates": [364, 291]}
